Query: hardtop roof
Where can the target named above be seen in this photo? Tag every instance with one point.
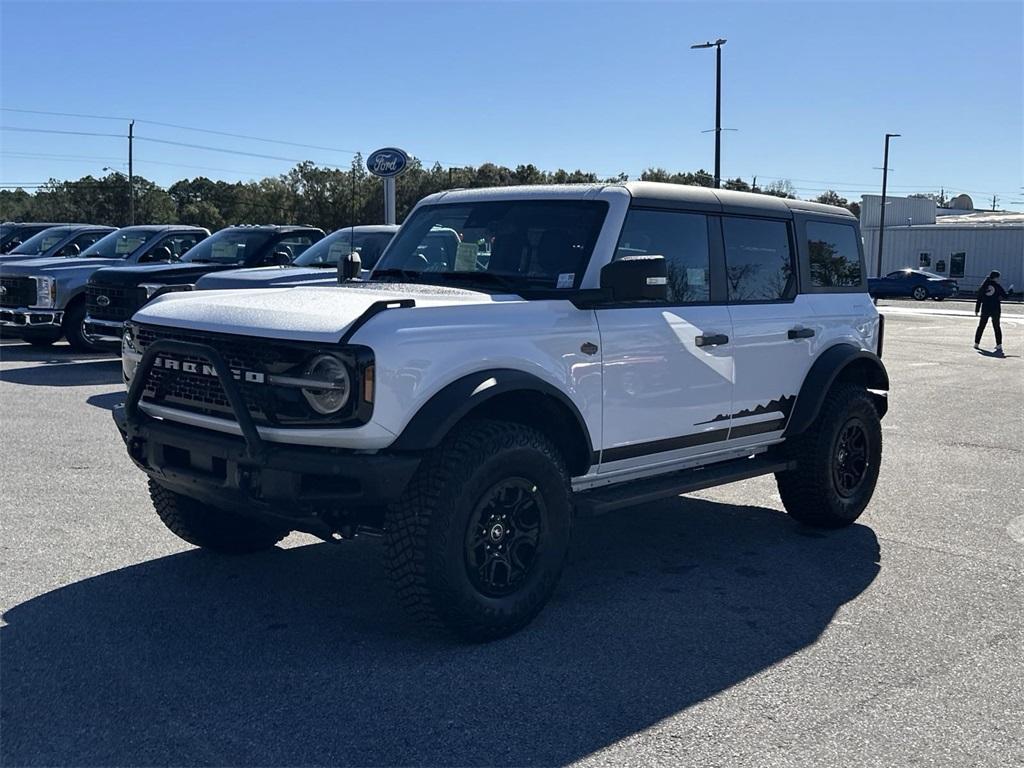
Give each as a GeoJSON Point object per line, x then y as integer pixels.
{"type": "Point", "coordinates": [654, 192]}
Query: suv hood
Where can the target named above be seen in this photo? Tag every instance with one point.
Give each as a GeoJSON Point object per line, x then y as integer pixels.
{"type": "Point", "coordinates": [320, 314]}
{"type": "Point", "coordinates": [160, 272]}
{"type": "Point", "coordinates": [266, 277]}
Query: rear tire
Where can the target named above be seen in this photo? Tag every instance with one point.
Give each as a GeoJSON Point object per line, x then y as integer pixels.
{"type": "Point", "coordinates": [479, 538]}
{"type": "Point", "coordinates": [920, 293]}
{"type": "Point", "coordinates": [837, 461]}
{"type": "Point", "coordinates": [210, 527]}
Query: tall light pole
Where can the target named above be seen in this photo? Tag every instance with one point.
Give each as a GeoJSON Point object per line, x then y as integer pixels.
{"type": "Point", "coordinates": [881, 214]}
{"type": "Point", "coordinates": [131, 175]}
{"type": "Point", "coordinates": [717, 45]}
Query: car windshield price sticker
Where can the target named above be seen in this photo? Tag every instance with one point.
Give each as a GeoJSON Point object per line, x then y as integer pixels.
{"type": "Point", "coordinates": [465, 257]}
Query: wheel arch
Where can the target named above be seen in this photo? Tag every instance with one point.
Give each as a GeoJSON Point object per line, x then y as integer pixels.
{"type": "Point", "coordinates": [508, 395]}
{"type": "Point", "coordinates": [839, 363]}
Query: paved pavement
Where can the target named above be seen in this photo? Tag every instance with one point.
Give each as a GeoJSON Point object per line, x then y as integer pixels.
{"type": "Point", "coordinates": [708, 630]}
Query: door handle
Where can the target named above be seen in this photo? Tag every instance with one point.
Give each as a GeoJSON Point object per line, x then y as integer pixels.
{"type": "Point", "coordinates": [712, 340]}
{"type": "Point", "coordinates": [800, 333]}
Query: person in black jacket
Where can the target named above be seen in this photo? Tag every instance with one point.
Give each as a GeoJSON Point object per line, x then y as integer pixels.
{"type": "Point", "coordinates": [990, 295]}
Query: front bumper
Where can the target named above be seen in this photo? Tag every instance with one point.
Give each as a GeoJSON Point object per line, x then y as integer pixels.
{"type": "Point", "coordinates": [288, 483]}
{"type": "Point", "coordinates": [31, 318]}
{"type": "Point", "coordinates": [103, 331]}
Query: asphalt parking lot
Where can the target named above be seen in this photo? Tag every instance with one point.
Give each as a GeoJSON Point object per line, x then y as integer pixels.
{"type": "Point", "coordinates": [706, 630]}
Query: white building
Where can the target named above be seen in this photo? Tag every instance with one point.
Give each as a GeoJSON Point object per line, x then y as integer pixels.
{"type": "Point", "coordinates": [959, 242]}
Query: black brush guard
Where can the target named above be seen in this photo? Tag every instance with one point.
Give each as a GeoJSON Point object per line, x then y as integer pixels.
{"type": "Point", "coordinates": [256, 477]}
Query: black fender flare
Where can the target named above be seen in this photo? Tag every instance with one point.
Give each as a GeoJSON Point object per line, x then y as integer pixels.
{"type": "Point", "coordinates": [450, 404]}
{"type": "Point", "coordinates": [823, 374]}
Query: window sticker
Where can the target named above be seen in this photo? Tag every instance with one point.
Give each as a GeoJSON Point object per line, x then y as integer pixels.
{"type": "Point", "coordinates": [223, 251]}
{"type": "Point", "coordinates": [696, 276]}
{"type": "Point", "coordinates": [465, 257]}
{"type": "Point", "coordinates": [339, 251]}
{"type": "Point", "coordinates": [566, 280]}
{"type": "Point", "coordinates": [126, 245]}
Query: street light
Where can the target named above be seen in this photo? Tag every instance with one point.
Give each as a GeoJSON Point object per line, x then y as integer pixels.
{"type": "Point", "coordinates": [717, 45]}
{"type": "Point", "coordinates": [881, 214]}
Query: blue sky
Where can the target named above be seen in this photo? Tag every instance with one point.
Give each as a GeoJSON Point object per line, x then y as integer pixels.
{"type": "Point", "coordinates": [810, 87]}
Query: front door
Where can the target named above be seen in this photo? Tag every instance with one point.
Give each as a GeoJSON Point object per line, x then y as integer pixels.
{"type": "Point", "coordinates": [668, 368]}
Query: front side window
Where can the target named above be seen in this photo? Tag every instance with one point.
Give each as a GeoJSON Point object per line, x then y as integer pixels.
{"type": "Point", "coordinates": [834, 256]}
{"type": "Point", "coordinates": [682, 239]}
{"type": "Point", "coordinates": [515, 244]}
{"type": "Point", "coordinates": [228, 247]}
{"type": "Point", "coordinates": [758, 260]}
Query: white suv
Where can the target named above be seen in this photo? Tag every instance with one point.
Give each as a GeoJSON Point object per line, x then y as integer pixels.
{"type": "Point", "coordinates": [566, 350]}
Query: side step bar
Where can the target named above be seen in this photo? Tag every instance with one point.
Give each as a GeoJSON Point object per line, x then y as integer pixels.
{"type": "Point", "coordinates": [612, 497]}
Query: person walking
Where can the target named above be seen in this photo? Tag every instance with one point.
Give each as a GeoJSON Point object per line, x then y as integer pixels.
{"type": "Point", "coordinates": [988, 303]}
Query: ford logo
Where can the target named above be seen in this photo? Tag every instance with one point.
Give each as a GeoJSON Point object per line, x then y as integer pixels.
{"type": "Point", "coordinates": [387, 163]}
{"type": "Point", "coordinates": [103, 301]}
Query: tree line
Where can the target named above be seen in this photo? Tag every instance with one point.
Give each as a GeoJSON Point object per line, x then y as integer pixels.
{"type": "Point", "coordinates": [328, 198]}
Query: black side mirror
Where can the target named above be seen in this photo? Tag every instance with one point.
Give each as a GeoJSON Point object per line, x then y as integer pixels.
{"type": "Point", "coordinates": [12, 245]}
{"type": "Point", "coordinates": [349, 267]}
{"type": "Point", "coordinates": [70, 250]}
{"type": "Point", "coordinates": [279, 259]}
{"type": "Point", "coordinates": [635, 278]}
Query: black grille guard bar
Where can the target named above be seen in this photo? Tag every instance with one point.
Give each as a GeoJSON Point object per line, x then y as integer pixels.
{"type": "Point", "coordinates": [134, 416]}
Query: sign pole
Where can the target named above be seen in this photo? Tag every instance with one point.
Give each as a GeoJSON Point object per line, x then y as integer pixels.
{"type": "Point", "coordinates": [389, 200]}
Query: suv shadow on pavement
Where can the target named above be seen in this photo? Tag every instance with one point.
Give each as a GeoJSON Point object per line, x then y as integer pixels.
{"type": "Point", "coordinates": [301, 655]}
{"type": "Point", "coordinates": [66, 373]}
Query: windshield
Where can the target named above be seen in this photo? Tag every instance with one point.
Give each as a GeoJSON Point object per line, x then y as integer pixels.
{"type": "Point", "coordinates": [369, 246]}
{"type": "Point", "coordinates": [120, 244]}
{"type": "Point", "coordinates": [228, 247]}
{"type": "Point", "coordinates": [41, 242]}
{"type": "Point", "coordinates": [517, 243]}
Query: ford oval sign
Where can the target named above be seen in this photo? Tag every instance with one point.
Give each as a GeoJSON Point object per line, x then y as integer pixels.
{"type": "Point", "coordinates": [387, 163]}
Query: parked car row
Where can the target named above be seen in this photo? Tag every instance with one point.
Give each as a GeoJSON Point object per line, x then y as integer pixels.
{"type": "Point", "coordinates": [82, 282]}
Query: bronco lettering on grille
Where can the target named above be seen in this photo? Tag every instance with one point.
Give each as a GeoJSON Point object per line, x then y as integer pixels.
{"type": "Point", "coordinates": [204, 369]}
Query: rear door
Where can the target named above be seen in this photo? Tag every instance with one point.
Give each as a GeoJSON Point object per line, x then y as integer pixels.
{"type": "Point", "coordinates": [774, 328]}
{"type": "Point", "coordinates": [668, 368]}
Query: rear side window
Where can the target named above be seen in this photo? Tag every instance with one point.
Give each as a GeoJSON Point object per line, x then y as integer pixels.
{"type": "Point", "coordinates": [758, 260]}
{"type": "Point", "coordinates": [834, 256]}
{"type": "Point", "coordinates": [682, 239]}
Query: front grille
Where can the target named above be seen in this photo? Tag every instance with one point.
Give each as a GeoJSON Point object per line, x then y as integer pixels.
{"type": "Point", "coordinates": [17, 292]}
{"type": "Point", "coordinates": [203, 393]}
{"type": "Point", "coordinates": [121, 302]}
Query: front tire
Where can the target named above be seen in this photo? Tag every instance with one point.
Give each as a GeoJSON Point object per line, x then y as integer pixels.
{"type": "Point", "coordinates": [210, 527]}
{"type": "Point", "coordinates": [920, 293]}
{"type": "Point", "coordinates": [479, 538]}
{"type": "Point", "coordinates": [837, 461]}
{"type": "Point", "coordinates": [74, 328]}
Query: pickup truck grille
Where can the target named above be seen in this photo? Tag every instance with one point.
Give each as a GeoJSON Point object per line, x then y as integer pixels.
{"type": "Point", "coordinates": [202, 392]}
{"type": "Point", "coordinates": [109, 302]}
{"type": "Point", "coordinates": [17, 292]}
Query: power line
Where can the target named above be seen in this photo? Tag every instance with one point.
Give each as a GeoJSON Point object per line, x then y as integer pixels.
{"type": "Point", "coordinates": [68, 133]}
{"type": "Point", "coordinates": [234, 151]}
{"type": "Point", "coordinates": [180, 127]}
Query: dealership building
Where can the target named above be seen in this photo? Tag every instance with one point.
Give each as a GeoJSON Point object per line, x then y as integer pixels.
{"type": "Point", "coordinates": [959, 241]}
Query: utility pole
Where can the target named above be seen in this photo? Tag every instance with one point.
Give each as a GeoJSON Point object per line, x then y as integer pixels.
{"type": "Point", "coordinates": [131, 176]}
{"type": "Point", "coordinates": [995, 199]}
{"type": "Point", "coordinates": [881, 213]}
{"type": "Point", "coordinates": [717, 45]}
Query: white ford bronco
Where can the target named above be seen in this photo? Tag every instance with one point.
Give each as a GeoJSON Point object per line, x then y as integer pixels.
{"type": "Point", "coordinates": [565, 350]}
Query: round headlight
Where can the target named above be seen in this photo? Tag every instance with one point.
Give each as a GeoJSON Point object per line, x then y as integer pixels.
{"type": "Point", "coordinates": [334, 386]}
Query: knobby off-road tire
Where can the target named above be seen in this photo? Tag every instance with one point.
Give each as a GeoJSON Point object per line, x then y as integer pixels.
{"type": "Point", "coordinates": [479, 538]}
{"type": "Point", "coordinates": [837, 461]}
{"type": "Point", "coordinates": [209, 527]}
